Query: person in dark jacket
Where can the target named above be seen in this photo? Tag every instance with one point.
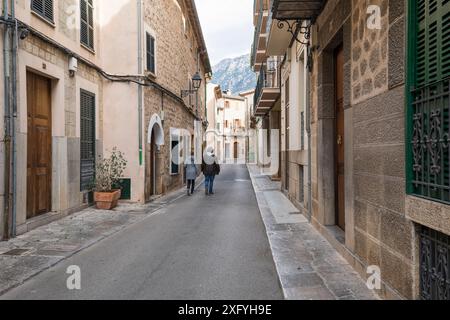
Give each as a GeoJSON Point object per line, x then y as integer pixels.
{"type": "Point", "coordinates": [210, 168]}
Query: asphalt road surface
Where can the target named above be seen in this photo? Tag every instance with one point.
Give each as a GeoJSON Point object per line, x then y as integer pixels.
{"type": "Point", "coordinates": [197, 248]}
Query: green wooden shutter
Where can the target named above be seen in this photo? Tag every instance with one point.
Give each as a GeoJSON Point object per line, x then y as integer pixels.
{"type": "Point", "coordinates": [87, 139]}
{"type": "Point", "coordinates": [428, 111]}
{"type": "Point", "coordinates": [433, 41]}
{"type": "Point", "coordinates": [87, 23]}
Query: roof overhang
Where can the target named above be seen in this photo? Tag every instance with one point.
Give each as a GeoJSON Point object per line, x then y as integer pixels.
{"type": "Point", "coordinates": [297, 9]}
{"type": "Point", "coordinates": [279, 39]}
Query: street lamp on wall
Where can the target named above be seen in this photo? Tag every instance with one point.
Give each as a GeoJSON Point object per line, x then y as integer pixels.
{"type": "Point", "coordinates": [196, 83]}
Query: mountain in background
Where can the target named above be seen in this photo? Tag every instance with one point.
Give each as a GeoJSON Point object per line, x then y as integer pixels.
{"type": "Point", "coordinates": [235, 74]}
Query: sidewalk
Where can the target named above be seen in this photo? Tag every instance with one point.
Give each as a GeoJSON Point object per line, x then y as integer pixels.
{"type": "Point", "coordinates": [307, 265]}
{"type": "Point", "coordinates": [28, 255]}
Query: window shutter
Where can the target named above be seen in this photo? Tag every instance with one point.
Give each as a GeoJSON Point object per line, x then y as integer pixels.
{"type": "Point", "coordinates": [44, 8]}
{"type": "Point", "coordinates": [428, 112]}
{"type": "Point", "coordinates": [151, 53]}
{"type": "Point", "coordinates": [87, 23]}
{"type": "Point", "coordinates": [87, 139]}
{"type": "Point", "coordinates": [433, 41]}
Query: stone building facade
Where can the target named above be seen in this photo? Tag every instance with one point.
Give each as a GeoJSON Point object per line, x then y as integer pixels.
{"type": "Point", "coordinates": [180, 53]}
{"type": "Point", "coordinates": [47, 89]}
{"type": "Point", "coordinates": [80, 74]}
{"type": "Point", "coordinates": [377, 95]}
{"type": "Point", "coordinates": [375, 228]}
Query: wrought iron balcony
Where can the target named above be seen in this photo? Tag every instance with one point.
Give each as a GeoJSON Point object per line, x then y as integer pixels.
{"type": "Point", "coordinates": [267, 89]}
{"type": "Point", "coordinates": [429, 142]}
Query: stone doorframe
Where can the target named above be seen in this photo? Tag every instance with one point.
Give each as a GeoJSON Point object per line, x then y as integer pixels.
{"type": "Point", "coordinates": [152, 173]}
{"type": "Point", "coordinates": [326, 134]}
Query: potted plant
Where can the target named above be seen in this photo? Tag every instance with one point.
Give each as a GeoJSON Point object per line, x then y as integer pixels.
{"type": "Point", "coordinates": [108, 172]}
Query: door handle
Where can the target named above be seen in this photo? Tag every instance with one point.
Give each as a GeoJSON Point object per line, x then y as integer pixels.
{"type": "Point", "coordinates": [339, 140]}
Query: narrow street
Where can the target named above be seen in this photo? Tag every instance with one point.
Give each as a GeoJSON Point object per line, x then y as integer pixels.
{"type": "Point", "coordinates": [195, 248]}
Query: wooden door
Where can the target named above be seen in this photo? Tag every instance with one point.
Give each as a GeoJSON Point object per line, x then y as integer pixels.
{"type": "Point", "coordinates": [39, 142]}
{"type": "Point", "coordinates": [236, 150]}
{"type": "Point", "coordinates": [340, 150]}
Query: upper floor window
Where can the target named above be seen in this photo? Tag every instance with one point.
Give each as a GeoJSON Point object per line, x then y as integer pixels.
{"type": "Point", "coordinates": [151, 61]}
{"type": "Point", "coordinates": [87, 23]}
{"type": "Point", "coordinates": [44, 8]}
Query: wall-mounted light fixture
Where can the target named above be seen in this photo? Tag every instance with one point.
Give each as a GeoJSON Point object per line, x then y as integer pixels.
{"type": "Point", "coordinates": [196, 83]}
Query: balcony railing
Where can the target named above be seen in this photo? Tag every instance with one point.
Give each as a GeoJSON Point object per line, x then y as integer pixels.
{"type": "Point", "coordinates": [269, 77]}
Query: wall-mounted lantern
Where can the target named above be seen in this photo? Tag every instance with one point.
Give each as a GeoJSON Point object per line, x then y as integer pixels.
{"type": "Point", "coordinates": [196, 83]}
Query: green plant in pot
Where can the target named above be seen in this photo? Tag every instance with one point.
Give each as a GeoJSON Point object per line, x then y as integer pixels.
{"type": "Point", "coordinates": [109, 171]}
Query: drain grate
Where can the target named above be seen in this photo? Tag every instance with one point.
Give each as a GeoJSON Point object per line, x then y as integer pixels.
{"type": "Point", "coordinates": [295, 213]}
{"type": "Point", "coordinates": [16, 252]}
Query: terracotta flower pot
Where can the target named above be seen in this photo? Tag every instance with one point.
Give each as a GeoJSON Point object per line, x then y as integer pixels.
{"type": "Point", "coordinates": [107, 200]}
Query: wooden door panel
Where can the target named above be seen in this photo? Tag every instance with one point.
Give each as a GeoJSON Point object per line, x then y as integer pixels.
{"type": "Point", "coordinates": [39, 150]}
{"type": "Point", "coordinates": [340, 138]}
{"type": "Point", "coordinates": [42, 147]}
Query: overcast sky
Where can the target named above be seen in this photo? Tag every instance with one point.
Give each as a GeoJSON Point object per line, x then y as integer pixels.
{"type": "Point", "coordinates": [227, 27]}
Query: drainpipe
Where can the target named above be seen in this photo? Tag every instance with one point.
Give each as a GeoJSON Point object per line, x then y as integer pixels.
{"type": "Point", "coordinates": [308, 131]}
{"type": "Point", "coordinates": [196, 93]}
{"type": "Point", "coordinates": [140, 71]}
{"type": "Point", "coordinates": [13, 119]}
{"type": "Point", "coordinates": [7, 132]}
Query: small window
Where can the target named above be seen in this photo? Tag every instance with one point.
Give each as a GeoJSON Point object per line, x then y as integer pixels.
{"type": "Point", "coordinates": [87, 23]}
{"type": "Point", "coordinates": [174, 154]}
{"type": "Point", "coordinates": [44, 8]}
{"type": "Point", "coordinates": [151, 62]}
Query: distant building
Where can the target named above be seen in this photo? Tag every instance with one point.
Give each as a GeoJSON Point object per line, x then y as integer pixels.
{"type": "Point", "coordinates": [228, 125]}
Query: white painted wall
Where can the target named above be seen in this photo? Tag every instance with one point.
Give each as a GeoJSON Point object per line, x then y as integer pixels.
{"type": "Point", "coordinates": [119, 55]}
{"type": "Point", "coordinates": [295, 70]}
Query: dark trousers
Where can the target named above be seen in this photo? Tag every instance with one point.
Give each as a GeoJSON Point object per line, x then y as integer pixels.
{"type": "Point", "coordinates": [191, 185]}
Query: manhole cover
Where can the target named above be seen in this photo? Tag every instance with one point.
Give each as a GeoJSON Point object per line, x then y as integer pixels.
{"type": "Point", "coordinates": [16, 252]}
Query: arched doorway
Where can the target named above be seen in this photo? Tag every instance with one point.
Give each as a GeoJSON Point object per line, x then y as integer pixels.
{"type": "Point", "coordinates": [155, 140]}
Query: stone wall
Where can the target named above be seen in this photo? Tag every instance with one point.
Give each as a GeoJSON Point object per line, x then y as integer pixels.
{"type": "Point", "coordinates": [369, 51]}
{"type": "Point", "coordinates": [176, 63]}
{"type": "Point", "coordinates": [377, 230]}
{"type": "Point", "coordinates": [384, 236]}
